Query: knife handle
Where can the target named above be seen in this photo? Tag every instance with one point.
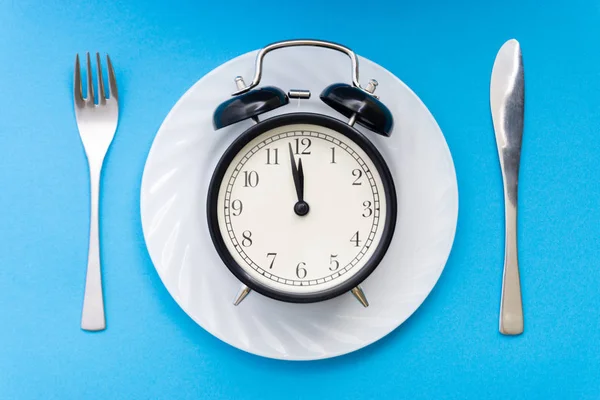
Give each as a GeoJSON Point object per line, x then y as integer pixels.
{"type": "Point", "coordinates": [511, 305]}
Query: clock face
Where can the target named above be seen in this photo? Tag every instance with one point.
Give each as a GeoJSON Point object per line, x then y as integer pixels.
{"type": "Point", "coordinates": [302, 207]}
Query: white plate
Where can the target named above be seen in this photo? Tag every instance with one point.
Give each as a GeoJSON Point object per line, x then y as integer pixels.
{"type": "Point", "coordinates": [173, 203]}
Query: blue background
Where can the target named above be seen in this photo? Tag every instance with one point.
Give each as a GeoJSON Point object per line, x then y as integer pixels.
{"type": "Point", "coordinates": [450, 348]}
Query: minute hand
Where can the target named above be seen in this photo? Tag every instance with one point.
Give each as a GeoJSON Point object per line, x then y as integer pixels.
{"type": "Point", "coordinates": [298, 175]}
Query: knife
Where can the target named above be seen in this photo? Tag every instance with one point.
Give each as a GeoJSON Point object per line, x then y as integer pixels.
{"type": "Point", "coordinates": [507, 101]}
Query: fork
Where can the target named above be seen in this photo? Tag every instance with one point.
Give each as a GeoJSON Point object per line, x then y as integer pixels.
{"type": "Point", "coordinates": [97, 118]}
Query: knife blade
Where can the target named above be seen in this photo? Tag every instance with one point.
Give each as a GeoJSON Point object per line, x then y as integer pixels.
{"type": "Point", "coordinates": [507, 102]}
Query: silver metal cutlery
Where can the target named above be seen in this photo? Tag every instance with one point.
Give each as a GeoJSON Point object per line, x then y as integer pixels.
{"type": "Point", "coordinates": [507, 101]}
{"type": "Point", "coordinates": [97, 118]}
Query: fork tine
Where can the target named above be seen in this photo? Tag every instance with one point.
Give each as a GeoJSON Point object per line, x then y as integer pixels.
{"type": "Point", "coordinates": [90, 81]}
{"type": "Point", "coordinates": [77, 90]}
{"type": "Point", "coordinates": [112, 82]}
{"type": "Point", "coordinates": [101, 93]}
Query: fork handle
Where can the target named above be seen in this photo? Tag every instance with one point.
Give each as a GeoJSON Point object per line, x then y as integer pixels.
{"type": "Point", "coordinates": [92, 318]}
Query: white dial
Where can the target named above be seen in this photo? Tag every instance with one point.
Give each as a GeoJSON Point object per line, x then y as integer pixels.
{"type": "Point", "coordinates": [305, 250]}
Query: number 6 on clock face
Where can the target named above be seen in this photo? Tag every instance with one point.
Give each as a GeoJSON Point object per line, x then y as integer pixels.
{"type": "Point", "coordinates": [301, 207]}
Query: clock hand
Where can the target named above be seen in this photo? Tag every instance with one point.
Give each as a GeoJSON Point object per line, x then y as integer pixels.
{"type": "Point", "coordinates": [296, 175]}
{"type": "Point", "coordinates": [301, 207]}
{"type": "Point", "coordinates": [300, 180]}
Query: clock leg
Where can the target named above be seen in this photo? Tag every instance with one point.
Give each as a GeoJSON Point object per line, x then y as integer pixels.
{"type": "Point", "coordinates": [244, 291]}
{"type": "Point", "coordinates": [360, 296]}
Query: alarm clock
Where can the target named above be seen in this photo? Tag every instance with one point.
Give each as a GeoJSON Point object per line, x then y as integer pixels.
{"type": "Point", "coordinates": [302, 206]}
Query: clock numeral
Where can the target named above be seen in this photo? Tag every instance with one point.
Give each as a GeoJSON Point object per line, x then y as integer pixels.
{"type": "Point", "coordinates": [237, 206]}
{"type": "Point", "coordinates": [333, 155]}
{"type": "Point", "coordinates": [274, 255]}
{"type": "Point", "coordinates": [368, 209]}
{"type": "Point", "coordinates": [334, 264]}
{"type": "Point", "coordinates": [357, 173]}
{"type": "Point", "coordinates": [247, 239]}
{"type": "Point", "coordinates": [272, 156]}
{"type": "Point", "coordinates": [304, 142]}
{"type": "Point", "coordinates": [300, 271]}
{"type": "Point", "coordinates": [356, 239]}
{"type": "Point", "coordinates": [250, 179]}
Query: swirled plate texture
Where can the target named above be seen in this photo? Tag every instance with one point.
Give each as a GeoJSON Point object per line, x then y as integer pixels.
{"type": "Point", "coordinates": [173, 212]}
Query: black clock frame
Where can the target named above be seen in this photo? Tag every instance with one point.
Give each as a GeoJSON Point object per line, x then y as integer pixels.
{"type": "Point", "coordinates": [289, 119]}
